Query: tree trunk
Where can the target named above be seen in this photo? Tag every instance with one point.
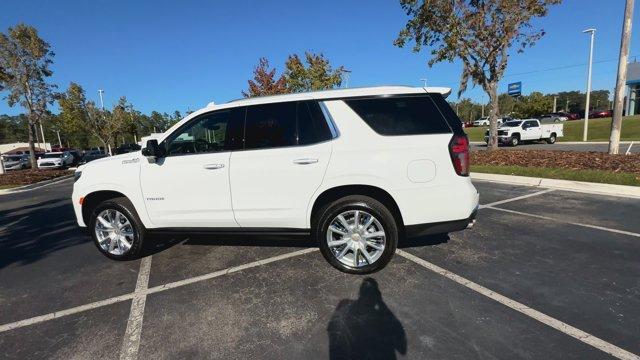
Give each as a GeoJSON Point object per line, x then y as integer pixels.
{"type": "Point", "coordinates": [32, 148]}
{"type": "Point", "coordinates": [492, 91]}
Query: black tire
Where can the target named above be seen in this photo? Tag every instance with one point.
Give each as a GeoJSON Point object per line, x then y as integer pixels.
{"type": "Point", "coordinates": [124, 206]}
{"type": "Point", "coordinates": [551, 139]}
{"type": "Point", "coordinates": [514, 141]}
{"type": "Point", "coordinates": [363, 203]}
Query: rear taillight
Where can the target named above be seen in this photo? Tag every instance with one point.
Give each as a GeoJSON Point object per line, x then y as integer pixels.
{"type": "Point", "coordinates": [459, 151]}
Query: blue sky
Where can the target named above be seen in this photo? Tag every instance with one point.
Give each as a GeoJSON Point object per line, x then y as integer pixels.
{"type": "Point", "coordinates": [180, 55]}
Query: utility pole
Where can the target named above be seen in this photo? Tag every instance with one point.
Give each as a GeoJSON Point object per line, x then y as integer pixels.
{"type": "Point", "coordinates": [458, 110]}
{"type": "Point", "coordinates": [555, 102]}
{"type": "Point", "coordinates": [586, 111]}
{"type": "Point", "coordinates": [566, 107]}
{"type": "Point", "coordinates": [616, 124]}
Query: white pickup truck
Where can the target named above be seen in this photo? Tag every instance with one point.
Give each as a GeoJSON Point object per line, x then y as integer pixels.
{"type": "Point", "coordinates": [516, 131]}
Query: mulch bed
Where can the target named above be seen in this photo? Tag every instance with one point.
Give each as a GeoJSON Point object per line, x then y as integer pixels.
{"type": "Point", "coordinates": [28, 176]}
{"type": "Point", "coordinates": [575, 160]}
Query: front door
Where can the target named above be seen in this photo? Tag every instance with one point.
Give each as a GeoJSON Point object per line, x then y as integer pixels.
{"type": "Point", "coordinates": [189, 187]}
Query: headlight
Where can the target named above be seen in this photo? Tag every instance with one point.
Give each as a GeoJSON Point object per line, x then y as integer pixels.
{"type": "Point", "coordinates": [77, 175]}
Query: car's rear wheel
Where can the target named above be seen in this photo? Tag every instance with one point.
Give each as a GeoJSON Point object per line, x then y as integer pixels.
{"type": "Point", "coordinates": [357, 234]}
{"type": "Point", "coordinates": [552, 139]}
{"type": "Point", "coordinates": [116, 229]}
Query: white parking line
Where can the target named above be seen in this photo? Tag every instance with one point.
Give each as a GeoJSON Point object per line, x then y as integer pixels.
{"type": "Point", "coordinates": [543, 318]}
{"type": "Point", "coordinates": [131, 341]}
{"type": "Point", "coordinates": [517, 198]}
{"type": "Point", "coordinates": [565, 222]}
{"type": "Point", "coordinates": [173, 285]}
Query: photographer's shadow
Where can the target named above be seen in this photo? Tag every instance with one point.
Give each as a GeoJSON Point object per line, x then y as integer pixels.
{"type": "Point", "coordinates": [365, 328]}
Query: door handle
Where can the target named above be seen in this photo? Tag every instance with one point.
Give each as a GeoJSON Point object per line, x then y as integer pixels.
{"type": "Point", "coordinates": [305, 161]}
{"type": "Point", "coordinates": [213, 166]}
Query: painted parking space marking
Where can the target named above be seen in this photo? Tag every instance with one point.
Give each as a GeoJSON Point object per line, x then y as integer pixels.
{"type": "Point", "coordinates": [156, 289]}
{"type": "Point", "coordinates": [517, 198]}
{"type": "Point", "coordinates": [131, 342]}
{"type": "Point", "coordinates": [565, 222]}
{"type": "Point", "coordinates": [543, 318]}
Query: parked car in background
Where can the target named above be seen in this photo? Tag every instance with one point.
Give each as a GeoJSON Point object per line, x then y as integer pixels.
{"type": "Point", "coordinates": [91, 155]}
{"type": "Point", "coordinates": [570, 116]}
{"type": "Point", "coordinates": [600, 114]}
{"type": "Point", "coordinates": [352, 168]}
{"type": "Point", "coordinates": [77, 156]}
{"type": "Point", "coordinates": [55, 160]}
{"type": "Point", "coordinates": [16, 162]}
{"type": "Point", "coordinates": [516, 131]}
{"type": "Point", "coordinates": [485, 121]}
{"type": "Point", "coordinates": [553, 117]}
{"type": "Point", "coordinates": [127, 148]}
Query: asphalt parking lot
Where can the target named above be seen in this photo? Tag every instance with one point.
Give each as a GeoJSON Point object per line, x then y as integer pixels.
{"type": "Point", "coordinates": [543, 274]}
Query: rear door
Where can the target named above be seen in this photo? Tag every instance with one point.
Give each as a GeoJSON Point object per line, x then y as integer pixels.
{"type": "Point", "coordinates": [286, 152]}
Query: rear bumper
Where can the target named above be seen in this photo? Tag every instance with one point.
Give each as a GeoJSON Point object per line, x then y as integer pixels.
{"type": "Point", "coordinates": [440, 227]}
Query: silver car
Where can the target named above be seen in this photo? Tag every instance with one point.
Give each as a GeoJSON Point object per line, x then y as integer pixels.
{"type": "Point", "coordinates": [16, 162]}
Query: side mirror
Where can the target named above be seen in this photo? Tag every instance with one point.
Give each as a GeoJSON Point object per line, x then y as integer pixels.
{"type": "Point", "coordinates": [152, 151]}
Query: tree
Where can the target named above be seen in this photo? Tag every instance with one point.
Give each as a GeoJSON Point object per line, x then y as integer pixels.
{"type": "Point", "coordinates": [264, 81]}
{"type": "Point", "coordinates": [24, 68]}
{"type": "Point", "coordinates": [73, 117]}
{"type": "Point", "coordinates": [533, 105]}
{"type": "Point", "coordinates": [479, 33]}
{"type": "Point", "coordinates": [316, 75]}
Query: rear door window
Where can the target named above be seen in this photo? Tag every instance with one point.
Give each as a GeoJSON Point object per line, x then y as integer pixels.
{"type": "Point", "coordinates": [312, 126]}
{"type": "Point", "coordinates": [270, 125]}
{"type": "Point", "coordinates": [410, 115]}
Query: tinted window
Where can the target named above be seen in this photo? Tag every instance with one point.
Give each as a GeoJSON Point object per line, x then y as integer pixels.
{"type": "Point", "coordinates": [533, 124]}
{"type": "Point", "coordinates": [270, 125]}
{"type": "Point", "coordinates": [449, 115]}
{"type": "Point", "coordinates": [312, 126]}
{"type": "Point", "coordinates": [212, 132]}
{"type": "Point", "coordinates": [400, 115]}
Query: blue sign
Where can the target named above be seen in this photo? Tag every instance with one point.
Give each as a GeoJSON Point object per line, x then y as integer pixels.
{"type": "Point", "coordinates": [515, 89]}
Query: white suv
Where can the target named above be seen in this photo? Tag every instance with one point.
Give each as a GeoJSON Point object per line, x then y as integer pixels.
{"type": "Point", "coordinates": [356, 169]}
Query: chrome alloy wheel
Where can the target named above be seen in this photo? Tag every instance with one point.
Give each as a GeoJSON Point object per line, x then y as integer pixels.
{"type": "Point", "coordinates": [114, 232]}
{"type": "Point", "coordinates": [356, 238]}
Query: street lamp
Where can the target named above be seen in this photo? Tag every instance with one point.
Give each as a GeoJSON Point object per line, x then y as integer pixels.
{"type": "Point", "coordinates": [347, 75]}
{"type": "Point", "coordinates": [58, 132]}
{"type": "Point", "coordinates": [586, 111]}
{"type": "Point", "coordinates": [100, 91]}
{"type": "Point", "coordinates": [424, 82]}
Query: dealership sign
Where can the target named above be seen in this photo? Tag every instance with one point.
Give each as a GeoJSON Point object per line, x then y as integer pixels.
{"type": "Point", "coordinates": [515, 89]}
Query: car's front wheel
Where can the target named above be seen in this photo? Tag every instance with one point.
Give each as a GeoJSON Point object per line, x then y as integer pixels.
{"type": "Point", "coordinates": [357, 234]}
{"type": "Point", "coordinates": [116, 229]}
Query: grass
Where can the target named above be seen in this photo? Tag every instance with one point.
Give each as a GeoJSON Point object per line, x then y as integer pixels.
{"type": "Point", "coordinates": [5, 187]}
{"type": "Point", "coordinates": [598, 130]}
{"type": "Point", "coordinates": [597, 176]}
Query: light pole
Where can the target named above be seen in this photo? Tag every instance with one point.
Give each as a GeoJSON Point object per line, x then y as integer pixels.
{"type": "Point", "coordinates": [424, 82]}
{"type": "Point", "coordinates": [58, 133]}
{"type": "Point", "coordinates": [346, 76]}
{"type": "Point", "coordinates": [586, 111]}
{"type": "Point", "coordinates": [100, 91]}
{"type": "Point", "coordinates": [555, 102]}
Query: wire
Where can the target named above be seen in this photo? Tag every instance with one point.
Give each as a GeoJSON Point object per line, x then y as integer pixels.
{"type": "Point", "coordinates": [560, 67]}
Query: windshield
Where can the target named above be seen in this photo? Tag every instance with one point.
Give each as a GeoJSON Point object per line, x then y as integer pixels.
{"type": "Point", "coordinates": [52, 156]}
{"type": "Point", "coordinates": [13, 158]}
{"type": "Point", "coordinates": [512, 123]}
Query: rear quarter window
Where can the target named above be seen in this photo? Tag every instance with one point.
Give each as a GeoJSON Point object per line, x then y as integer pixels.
{"type": "Point", "coordinates": [410, 115]}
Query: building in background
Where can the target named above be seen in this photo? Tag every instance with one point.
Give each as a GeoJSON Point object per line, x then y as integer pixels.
{"type": "Point", "coordinates": [633, 84]}
{"type": "Point", "coordinates": [21, 148]}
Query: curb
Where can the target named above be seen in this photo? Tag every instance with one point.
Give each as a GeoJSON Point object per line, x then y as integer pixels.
{"type": "Point", "coordinates": [569, 185]}
{"type": "Point", "coordinates": [37, 185]}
